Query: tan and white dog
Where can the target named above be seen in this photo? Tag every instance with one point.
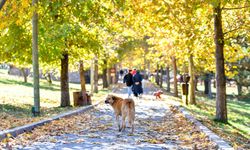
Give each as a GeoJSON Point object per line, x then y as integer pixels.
{"type": "Point", "coordinates": [124, 108]}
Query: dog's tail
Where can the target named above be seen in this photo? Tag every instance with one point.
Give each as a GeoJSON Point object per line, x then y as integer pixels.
{"type": "Point", "coordinates": [130, 102]}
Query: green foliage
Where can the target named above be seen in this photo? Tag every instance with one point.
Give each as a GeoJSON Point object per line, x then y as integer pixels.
{"type": "Point", "coordinates": [15, 45]}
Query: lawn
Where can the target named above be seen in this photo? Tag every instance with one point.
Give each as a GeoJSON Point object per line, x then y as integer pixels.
{"type": "Point", "coordinates": [16, 100]}
{"type": "Point", "coordinates": [237, 131]}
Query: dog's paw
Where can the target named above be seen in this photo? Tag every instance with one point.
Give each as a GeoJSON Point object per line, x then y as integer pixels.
{"type": "Point", "coordinates": [131, 134]}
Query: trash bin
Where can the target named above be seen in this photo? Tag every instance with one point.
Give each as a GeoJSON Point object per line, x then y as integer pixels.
{"type": "Point", "coordinates": [184, 87]}
{"type": "Point", "coordinates": [89, 101]}
{"type": "Point", "coordinates": [80, 98]}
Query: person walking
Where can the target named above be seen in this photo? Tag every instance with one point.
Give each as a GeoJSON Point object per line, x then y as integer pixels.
{"type": "Point", "coordinates": [128, 79]}
{"type": "Point", "coordinates": [137, 86]}
{"type": "Point", "coordinates": [121, 72]}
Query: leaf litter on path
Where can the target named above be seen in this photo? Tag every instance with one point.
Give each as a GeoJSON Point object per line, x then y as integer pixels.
{"type": "Point", "coordinates": [157, 126]}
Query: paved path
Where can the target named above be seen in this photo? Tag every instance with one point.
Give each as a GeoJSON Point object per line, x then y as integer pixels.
{"type": "Point", "coordinates": [154, 129]}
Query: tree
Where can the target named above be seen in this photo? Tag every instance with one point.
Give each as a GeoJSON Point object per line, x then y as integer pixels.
{"type": "Point", "coordinates": [70, 36]}
{"type": "Point", "coordinates": [219, 40]}
{"type": "Point", "coordinates": [16, 52]}
{"type": "Point", "coordinates": [242, 77]}
{"type": "Point", "coordinates": [221, 106]}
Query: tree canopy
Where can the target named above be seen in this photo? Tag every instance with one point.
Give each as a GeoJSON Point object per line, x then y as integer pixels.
{"type": "Point", "coordinates": [135, 33]}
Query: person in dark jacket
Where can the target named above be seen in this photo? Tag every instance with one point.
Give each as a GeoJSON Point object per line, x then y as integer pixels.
{"type": "Point", "coordinates": [128, 79]}
{"type": "Point", "coordinates": [137, 86]}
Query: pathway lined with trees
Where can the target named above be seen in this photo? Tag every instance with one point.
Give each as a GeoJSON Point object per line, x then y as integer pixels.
{"type": "Point", "coordinates": [101, 36]}
{"type": "Point", "coordinates": [157, 126]}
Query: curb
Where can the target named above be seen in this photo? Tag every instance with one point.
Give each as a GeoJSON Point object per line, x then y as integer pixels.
{"type": "Point", "coordinates": [25, 128]}
{"type": "Point", "coordinates": [221, 144]}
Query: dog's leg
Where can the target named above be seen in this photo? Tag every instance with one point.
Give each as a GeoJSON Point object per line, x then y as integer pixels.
{"type": "Point", "coordinates": [132, 120]}
{"type": "Point", "coordinates": [133, 127]}
{"type": "Point", "coordinates": [131, 124]}
{"type": "Point", "coordinates": [123, 122]}
{"type": "Point", "coordinates": [118, 122]}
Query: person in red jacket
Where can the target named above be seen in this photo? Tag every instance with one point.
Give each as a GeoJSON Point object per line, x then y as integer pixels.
{"type": "Point", "coordinates": [134, 72]}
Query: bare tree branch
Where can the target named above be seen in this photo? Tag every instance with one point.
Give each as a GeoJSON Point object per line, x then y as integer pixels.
{"type": "Point", "coordinates": [236, 8]}
{"type": "Point", "coordinates": [232, 30]}
{"type": "Point", "coordinates": [2, 2]}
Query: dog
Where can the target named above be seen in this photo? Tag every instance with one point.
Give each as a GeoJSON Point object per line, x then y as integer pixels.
{"type": "Point", "coordinates": [157, 94]}
{"type": "Point", "coordinates": [124, 108]}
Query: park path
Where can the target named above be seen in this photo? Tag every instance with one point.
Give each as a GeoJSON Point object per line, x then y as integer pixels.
{"type": "Point", "coordinates": [156, 127]}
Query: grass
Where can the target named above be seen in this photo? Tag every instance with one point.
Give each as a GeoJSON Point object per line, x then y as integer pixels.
{"type": "Point", "coordinates": [16, 100]}
{"type": "Point", "coordinates": [237, 130]}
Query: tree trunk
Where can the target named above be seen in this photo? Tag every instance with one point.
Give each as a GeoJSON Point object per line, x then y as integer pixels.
{"type": "Point", "coordinates": [2, 4]}
{"type": "Point", "coordinates": [175, 78]}
{"type": "Point", "coordinates": [168, 79]}
{"type": "Point", "coordinates": [104, 74]}
{"type": "Point", "coordinates": [49, 78]}
{"type": "Point", "coordinates": [25, 74]}
{"type": "Point", "coordinates": [161, 77]}
{"type": "Point", "coordinates": [116, 75]}
{"type": "Point", "coordinates": [206, 81]}
{"type": "Point", "coordinates": [96, 75]}
{"type": "Point", "coordinates": [196, 83]}
{"type": "Point", "coordinates": [210, 87]}
{"type": "Point", "coordinates": [157, 75]}
{"type": "Point", "coordinates": [191, 95]}
{"type": "Point", "coordinates": [82, 76]}
{"type": "Point", "coordinates": [65, 99]}
{"type": "Point", "coordinates": [239, 88]}
{"type": "Point", "coordinates": [109, 76]}
{"type": "Point", "coordinates": [214, 83]}
{"type": "Point", "coordinates": [35, 61]}
{"type": "Point", "coordinates": [221, 104]}
{"type": "Point", "coordinates": [92, 72]}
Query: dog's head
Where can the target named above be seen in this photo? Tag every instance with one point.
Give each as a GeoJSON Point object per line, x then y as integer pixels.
{"type": "Point", "coordinates": [110, 99]}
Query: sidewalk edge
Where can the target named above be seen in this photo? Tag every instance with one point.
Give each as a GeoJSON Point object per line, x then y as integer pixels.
{"type": "Point", "coordinates": [25, 128]}
{"type": "Point", "coordinates": [221, 144]}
